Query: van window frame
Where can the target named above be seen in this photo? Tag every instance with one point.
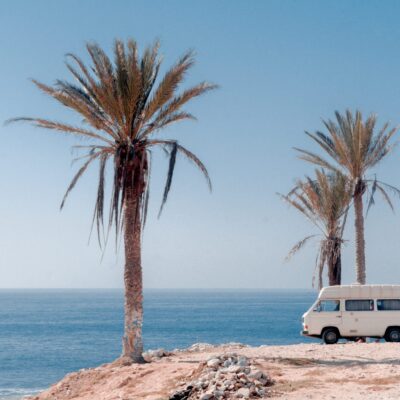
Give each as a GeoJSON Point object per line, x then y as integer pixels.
{"type": "Point", "coordinates": [377, 309]}
{"type": "Point", "coordinates": [316, 307]}
{"type": "Point", "coordinates": [372, 302]}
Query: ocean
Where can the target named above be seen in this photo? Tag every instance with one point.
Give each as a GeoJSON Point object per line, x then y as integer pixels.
{"type": "Point", "coordinates": [45, 334]}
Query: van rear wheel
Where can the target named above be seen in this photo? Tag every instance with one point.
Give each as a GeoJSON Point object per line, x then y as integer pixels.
{"type": "Point", "coordinates": [393, 335]}
{"type": "Point", "coordinates": [330, 336]}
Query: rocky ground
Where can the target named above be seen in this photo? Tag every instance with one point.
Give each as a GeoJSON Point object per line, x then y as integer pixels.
{"type": "Point", "coordinates": [226, 376]}
{"type": "Point", "coordinates": [307, 371]}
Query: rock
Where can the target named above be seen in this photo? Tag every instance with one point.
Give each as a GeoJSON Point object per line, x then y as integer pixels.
{"type": "Point", "coordinates": [183, 394]}
{"type": "Point", "coordinates": [158, 353]}
{"type": "Point", "coordinates": [211, 375]}
{"type": "Point", "coordinates": [207, 396]}
{"type": "Point", "coordinates": [199, 347]}
{"type": "Point", "coordinates": [243, 361]}
{"type": "Point", "coordinates": [261, 392]}
{"type": "Point", "coordinates": [243, 393]}
{"type": "Point", "coordinates": [237, 344]}
{"type": "Point", "coordinates": [234, 369]}
{"type": "Point", "coordinates": [256, 375]}
{"type": "Point", "coordinates": [213, 363]}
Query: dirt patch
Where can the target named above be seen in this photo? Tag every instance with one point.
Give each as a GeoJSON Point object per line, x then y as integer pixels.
{"type": "Point", "coordinates": [301, 362]}
{"type": "Point", "coordinates": [292, 386]}
{"type": "Point", "coordinates": [390, 380]}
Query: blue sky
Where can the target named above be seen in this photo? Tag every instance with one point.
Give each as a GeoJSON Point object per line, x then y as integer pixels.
{"type": "Point", "coordinates": [281, 67]}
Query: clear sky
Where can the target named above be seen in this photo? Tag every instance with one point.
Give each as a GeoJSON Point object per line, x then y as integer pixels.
{"type": "Point", "coordinates": [281, 67]}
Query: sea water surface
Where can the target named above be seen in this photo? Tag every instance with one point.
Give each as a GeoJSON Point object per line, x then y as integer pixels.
{"type": "Point", "coordinates": [45, 334]}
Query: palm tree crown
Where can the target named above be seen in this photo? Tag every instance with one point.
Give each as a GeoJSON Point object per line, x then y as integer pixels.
{"type": "Point", "coordinates": [123, 108]}
{"type": "Point", "coordinates": [324, 201]}
{"type": "Point", "coordinates": [352, 143]}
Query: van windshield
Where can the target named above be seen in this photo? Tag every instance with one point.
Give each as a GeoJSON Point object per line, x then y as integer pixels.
{"type": "Point", "coordinates": [327, 306]}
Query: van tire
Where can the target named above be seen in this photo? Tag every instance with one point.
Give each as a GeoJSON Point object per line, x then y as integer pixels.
{"type": "Point", "coordinates": [330, 335]}
{"type": "Point", "coordinates": [392, 334]}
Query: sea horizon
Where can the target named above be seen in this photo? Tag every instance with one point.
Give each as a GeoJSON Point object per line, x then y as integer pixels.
{"type": "Point", "coordinates": [161, 288]}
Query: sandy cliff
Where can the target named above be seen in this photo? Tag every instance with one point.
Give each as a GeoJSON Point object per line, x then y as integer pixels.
{"type": "Point", "coordinates": [306, 371]}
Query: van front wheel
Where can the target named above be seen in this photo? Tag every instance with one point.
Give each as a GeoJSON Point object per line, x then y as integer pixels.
{"type": "Point", "coordinates": [393, 335]}
{"type": "Point", "coordinates": [330, 336]}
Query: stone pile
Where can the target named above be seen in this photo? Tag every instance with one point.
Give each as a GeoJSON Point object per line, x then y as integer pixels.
{"type": "Point", "coordinates": [153, 355]}
{"type": "Point", "coordinates": [227, 376]}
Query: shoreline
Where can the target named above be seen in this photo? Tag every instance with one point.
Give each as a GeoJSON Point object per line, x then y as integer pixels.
{"type": "Point", "coordinates": [299, 371]}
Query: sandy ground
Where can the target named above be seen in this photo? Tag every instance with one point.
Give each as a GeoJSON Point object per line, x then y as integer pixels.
{"type": "Point", "coordinates": [305, 371]}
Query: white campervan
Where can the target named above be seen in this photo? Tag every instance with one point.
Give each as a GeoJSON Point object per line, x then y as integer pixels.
{"type": "Point", "coordinates": [355, 311]}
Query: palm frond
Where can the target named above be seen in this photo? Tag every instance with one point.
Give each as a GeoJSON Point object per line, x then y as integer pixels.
{"type": "Point", "coordinates": [146, 197]}
{"type": "Point", "coordinates": [298, 246]}
{"type": "Point", "coordinates": [385, 196]}
{"type": "Point", "coordinates": [315, 159]}
{"type": "Point", "coordinates": [381, 186]}
{"type": "Point", "coordinates": [188, 154]}
{"type": "Point", "coordinates": [371, 200]}
{"type": "Point", "coordinates": [98, 214]}
{"type": "Point", "coordinates": [78, 175]}
{"type": "Point", "coordinates": [168, 86]}
{"type": "Point", "coordinates": [171, 167]}
{"type": "Point", "coordinates": [58, 126]}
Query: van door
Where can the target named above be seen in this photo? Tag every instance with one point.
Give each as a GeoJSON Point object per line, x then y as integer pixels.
{"type": "Point", "coordinates": [387, 314]}
{"type": "Point", "coordinates": [358, 317]}
{"type": "Point", "coordinates": [325, 313]}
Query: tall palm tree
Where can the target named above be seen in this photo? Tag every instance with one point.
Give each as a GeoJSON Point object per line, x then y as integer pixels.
{"type": "Point", "coordinates": [355, 146]}
{"type": "Point", "coordinates": [123, 107]}
{"type": "Point", "coordinates": [324, 201]}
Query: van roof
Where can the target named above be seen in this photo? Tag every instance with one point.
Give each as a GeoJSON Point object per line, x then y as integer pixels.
{"type": "Point", "coordinates": [360, 291]}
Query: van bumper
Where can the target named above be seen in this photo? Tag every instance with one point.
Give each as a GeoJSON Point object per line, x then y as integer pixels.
{"type": "Point", "coordinates": [306, 333]}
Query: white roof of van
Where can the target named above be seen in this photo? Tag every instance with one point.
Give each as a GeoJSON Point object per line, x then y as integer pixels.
{"type": "Point", "coordinates": [360, 292]}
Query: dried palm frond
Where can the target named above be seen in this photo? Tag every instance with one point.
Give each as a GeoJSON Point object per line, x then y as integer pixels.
{"type": "Point", "coordinates": [298, 246]}
{"type": "Point", "coordinates": [380, 187]}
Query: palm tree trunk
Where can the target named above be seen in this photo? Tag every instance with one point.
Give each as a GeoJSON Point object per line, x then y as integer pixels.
{"type": "Point", "coordinates": [359, 227]}
{"type": "Point", "coordinates": [335, 264]}
{"type": "Point", "coordinates": [132, 340]}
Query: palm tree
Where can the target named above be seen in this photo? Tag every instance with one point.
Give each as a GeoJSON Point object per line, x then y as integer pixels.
{"type": "Point", "coordinates": [123, 109]}
{"type": "Point", "coordinates": [355, 147]}
{"type": "Point", "coordinates": [324, 201]}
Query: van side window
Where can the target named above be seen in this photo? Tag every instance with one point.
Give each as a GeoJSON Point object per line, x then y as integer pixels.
{"type": "Point", "coordinates": [388, 305]}
{"type": "Point", "coordinates": [328, 305]}
{"type": "Point", "coordinates": [359, 305]}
